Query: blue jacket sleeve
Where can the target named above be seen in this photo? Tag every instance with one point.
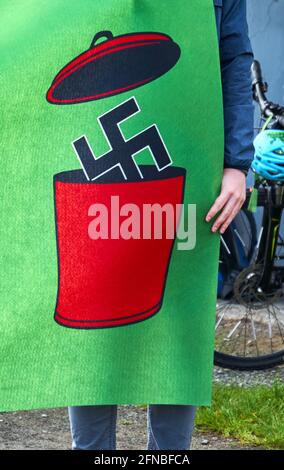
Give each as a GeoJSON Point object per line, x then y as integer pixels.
{"type": "Point", "coordinates": [236, 57]}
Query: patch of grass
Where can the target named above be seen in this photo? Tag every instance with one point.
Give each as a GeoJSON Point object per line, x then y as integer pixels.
{"type": "Point", "coordinates": [253, 415]}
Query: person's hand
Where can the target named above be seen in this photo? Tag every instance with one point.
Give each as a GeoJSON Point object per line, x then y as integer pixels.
{"type": "Point", "coordinates": [230, 200]}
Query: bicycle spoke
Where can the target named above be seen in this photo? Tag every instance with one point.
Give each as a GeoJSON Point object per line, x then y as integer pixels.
{"type": "Point", "coordinates": [234, 329]}
{"type": "Point", "coordinates": [254, 333]}
{"type": "Point", "coordinates": [279, 328]}
{"type": "Point", "coordinates": [245, 323]}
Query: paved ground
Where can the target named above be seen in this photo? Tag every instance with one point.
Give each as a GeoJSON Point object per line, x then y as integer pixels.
{"type": "Point", "coordinates": [249, 378]}
{"type": "Point", "coordinates": [49, 429]}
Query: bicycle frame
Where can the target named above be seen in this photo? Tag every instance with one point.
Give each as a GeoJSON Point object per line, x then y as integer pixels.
{"type": "Point", "coordinates": [268, 240]}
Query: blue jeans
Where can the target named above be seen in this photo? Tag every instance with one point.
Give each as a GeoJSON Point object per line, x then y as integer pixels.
{"type": "Point", "coordinates": [169, 427]}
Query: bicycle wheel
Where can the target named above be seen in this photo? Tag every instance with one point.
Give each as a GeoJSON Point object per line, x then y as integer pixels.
{"type": "Point", "coordinates": [250, 325]}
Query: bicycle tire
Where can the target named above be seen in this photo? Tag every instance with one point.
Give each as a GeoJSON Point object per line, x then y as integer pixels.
{"type": "Point", "coordinates": [248, 363]}
{"type": "Point", "coordinates": [252, 223]}
{"type": "Point", "coordinates": [231, 262]}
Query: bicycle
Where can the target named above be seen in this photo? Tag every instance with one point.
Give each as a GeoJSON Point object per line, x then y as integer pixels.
{"type": "Point", "coordinates": [249, 323]}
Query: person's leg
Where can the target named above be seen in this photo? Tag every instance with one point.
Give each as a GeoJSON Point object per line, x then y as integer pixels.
{"type": "Point", "coordinates": [93, 427]}
{"type": "Point", "coordinates": [170, 427]}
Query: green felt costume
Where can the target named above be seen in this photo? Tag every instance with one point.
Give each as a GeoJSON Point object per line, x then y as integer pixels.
{"type": "Point", "coordinates": [168, 357]}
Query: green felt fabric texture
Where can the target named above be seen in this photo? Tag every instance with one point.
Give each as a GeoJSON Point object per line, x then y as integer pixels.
{"type": "Point", "coordinates": [167, 358]}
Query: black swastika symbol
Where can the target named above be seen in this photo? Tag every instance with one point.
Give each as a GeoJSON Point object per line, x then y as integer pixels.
{"type": "Point", "coordinates": [122, 152]}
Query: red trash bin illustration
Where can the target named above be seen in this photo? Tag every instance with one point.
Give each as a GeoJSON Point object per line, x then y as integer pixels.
{"type": "Point", "coordinates": [113, 280]}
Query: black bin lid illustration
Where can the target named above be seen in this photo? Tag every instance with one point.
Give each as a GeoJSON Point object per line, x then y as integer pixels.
{"type": "Point", "coordinates": [114, 66]}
